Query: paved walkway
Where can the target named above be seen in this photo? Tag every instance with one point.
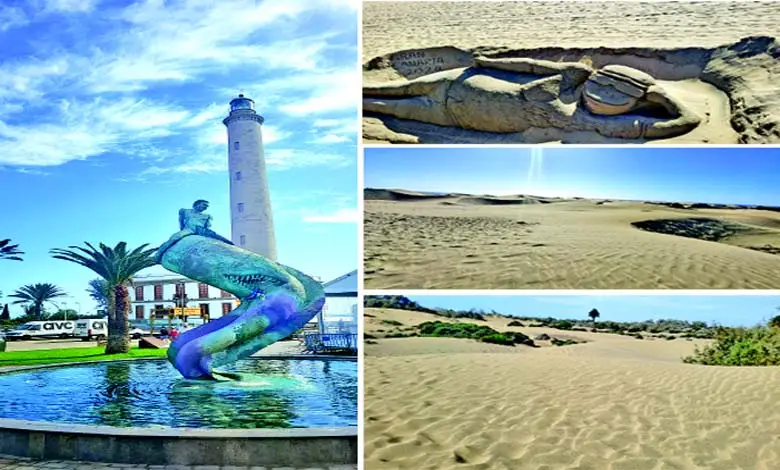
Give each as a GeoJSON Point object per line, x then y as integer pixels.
{"type": "Point", "coordinates": [18, 463]}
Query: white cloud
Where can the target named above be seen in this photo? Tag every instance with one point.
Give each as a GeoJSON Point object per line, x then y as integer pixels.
{"type": "Point", "coordinates": [217, 136]}
{"type": "Point", "coordinates": [12, 17]}
{"type": "Point", "coordinates": [70, 6]}
{"type": "Point", "coordinates": [341, 216]}
{"type": "Point", "coordinates": [330, 139]}
{"type": "Point", "coordinates": [292, 158]}
{"type": "Point", "coordinates": [168, 42]}
{"type": "Point", "coordinates": [213, 114]}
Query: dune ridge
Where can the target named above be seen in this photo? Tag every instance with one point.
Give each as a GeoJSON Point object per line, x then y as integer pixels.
{"type": "Point", "coordinates": [477, 241]}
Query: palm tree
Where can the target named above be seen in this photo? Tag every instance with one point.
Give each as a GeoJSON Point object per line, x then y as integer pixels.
{"type": "Point", "coordinates": [35, 295]}
{"type": "Point", "coordinates": [116, 266]}
{"type": "Point", "coordinates": [98, 291]}
{"type": "Point", "coordinates": [594, 314]}
{"type": "Point", "coordinates": [9, 251]}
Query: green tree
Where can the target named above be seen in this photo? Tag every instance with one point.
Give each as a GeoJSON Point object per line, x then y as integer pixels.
{"type": "Point", "coordinates": [594, 314]}
{"type": "Point", "coordinates": [116, 266]}
{"type": "Point", "coordinates": [35, 295]}
{"type": "Point", "coordinates": [8, 251]}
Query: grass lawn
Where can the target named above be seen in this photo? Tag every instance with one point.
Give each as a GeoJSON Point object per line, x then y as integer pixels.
{"type": "Point", "coordinates": [62, 356]}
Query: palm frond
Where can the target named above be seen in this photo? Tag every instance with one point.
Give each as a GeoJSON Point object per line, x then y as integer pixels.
{"type": "Point", "coordinates": [114, 264]}
{"type": "Point", "coordinates": [8, 251]}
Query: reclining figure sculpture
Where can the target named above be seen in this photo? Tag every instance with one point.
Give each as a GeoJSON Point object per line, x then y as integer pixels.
{"type": "Point", "coordinates": [508, 95]}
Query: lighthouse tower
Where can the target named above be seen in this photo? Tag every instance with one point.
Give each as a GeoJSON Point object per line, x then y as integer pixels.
{"type": "Point", "coordinates": [252, 223]}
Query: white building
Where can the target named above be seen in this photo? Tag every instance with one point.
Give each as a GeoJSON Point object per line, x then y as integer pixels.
{"type": "Point", "coordinates": [341, 304]}
{"type": "Point", "coordinates": [252, 224]}
{"type": "Point", "coordinates": [150, 293]}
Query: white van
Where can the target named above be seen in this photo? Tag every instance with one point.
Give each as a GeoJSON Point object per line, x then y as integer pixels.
{"type": "Point", "coordinates": [91, 328]}
{"type": "Point", "coordinates": [42, 329]}
{"type": "Point", "coordinates": [98, 328]}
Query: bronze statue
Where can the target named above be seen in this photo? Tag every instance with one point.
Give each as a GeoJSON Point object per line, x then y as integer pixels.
{"type": "Point", "coordinates": [198, 222]}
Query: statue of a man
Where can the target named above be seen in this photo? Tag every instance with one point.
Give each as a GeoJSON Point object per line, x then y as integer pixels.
{"type": "Point", "coordinates": [198, 222]}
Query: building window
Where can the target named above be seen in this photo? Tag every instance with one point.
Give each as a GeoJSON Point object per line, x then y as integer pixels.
{"type": "Point", "coordinates": [139, 293]}
{"type": "Point", "coordinates": [235, 145]}
{"type": "Point", "coordinates": [203, 291]}
{"type": "Point", "coordinates": [226, 308]}
{"type": "Point", "coordinates": [159, 311]}
{"type": "Point", "coordinates": [240, 207]}
{"type": "Point", "coordinates": [180, 289]}
{"type": "Point", "coordinates": [238, 176]}
{"type": "Point", "coordinates": [224, 293]}
{"type": "Point", "coordinates": [242, 240]}
{"type": "Point", "coordinates": [204, 310]}
{"type": "Point", "coordinates": [158, 291]}
{"type": "Point", "coordinates": [139, 312]}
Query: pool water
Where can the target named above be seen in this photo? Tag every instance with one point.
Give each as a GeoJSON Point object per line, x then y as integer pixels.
{"type": "Point", "coordinates": [282, 393]}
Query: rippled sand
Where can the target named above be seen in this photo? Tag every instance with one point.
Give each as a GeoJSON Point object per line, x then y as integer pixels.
{"type": "Point", "coordinates": [395, 26]}
{"type": "Point", "coordinates": [614, 403]}
{"type": "Point", "coordinates": [473, 242]}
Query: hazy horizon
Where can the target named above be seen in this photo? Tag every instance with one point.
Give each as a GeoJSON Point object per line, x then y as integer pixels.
{"type": "Point", "coordinates": [725, 310]}
{"type": "Point", "coordinates": [444, 193]}
{"type": "Point", "coordinates": [730, 176]}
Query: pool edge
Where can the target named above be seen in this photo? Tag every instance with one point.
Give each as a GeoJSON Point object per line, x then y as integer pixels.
{"type": "Point", "coordinates": [302, 447]}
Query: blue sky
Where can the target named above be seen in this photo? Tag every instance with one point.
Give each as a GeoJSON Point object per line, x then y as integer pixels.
{"type": "Point", "coordinates": [721, 175]}
{"type": "Point", "coordinates": [726, 310]}
{"type": "Point", "coordinates": [110, 121]}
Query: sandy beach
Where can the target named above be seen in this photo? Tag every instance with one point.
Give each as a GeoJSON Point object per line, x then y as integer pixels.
{"type": "Point", "coordinates": [461, 241]}
{"type": "Point", "coordinates": [612, 403]}
{"type": "Point", "coordinates": [719, 57]}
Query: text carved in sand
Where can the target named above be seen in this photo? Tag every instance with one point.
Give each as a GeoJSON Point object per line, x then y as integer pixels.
{"type": "Point", "coordinates": [417, 63]}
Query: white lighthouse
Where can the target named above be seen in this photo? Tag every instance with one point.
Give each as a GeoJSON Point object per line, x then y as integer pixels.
{"type": "Point", "coordinates": [252, 224]}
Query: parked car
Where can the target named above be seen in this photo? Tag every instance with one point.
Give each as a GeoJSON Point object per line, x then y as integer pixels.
{"type": "Point", "coordinates": [42, 329]}
{"type": "Point", "coordinates": [137, 333]}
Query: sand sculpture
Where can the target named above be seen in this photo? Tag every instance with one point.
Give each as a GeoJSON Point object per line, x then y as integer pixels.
{"type": "Point", "coordinates": [507, 95]}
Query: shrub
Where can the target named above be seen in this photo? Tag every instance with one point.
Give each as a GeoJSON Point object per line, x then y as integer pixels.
{"type": "Point", "coordinates": [515, 323]}
{"type": "Point", "coordinates": [758, 346]}
{"type": "Point", "coordinates": [473, 331]}
{"type": "Point", "coordinates": [563, 342]}
{"type": "Point", "coordinates": [497, 338]}
{"type": "Point", "coordinates": [669, 338]}
{"type": "Point", "coordinates": [397, 335]}
{"type": "Point", "coordinates": [561, 325]}
{"type": "Point", "coordinates": [392, 322]}
{"type": "Point", "coordinates": [519, 338]}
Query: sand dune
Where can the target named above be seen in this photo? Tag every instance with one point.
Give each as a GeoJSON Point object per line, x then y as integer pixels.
{"type": "Point", "coordinates": [612, 403]}
{"type": "Point", "coordinates": [451, 242]}
{"type": "Point", "coordinates": [719, 57]}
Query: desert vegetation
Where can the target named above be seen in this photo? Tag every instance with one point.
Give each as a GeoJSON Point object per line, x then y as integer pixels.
{"type": "Point", "coordinates": [756, 346]}
{"type": "Point", "coordinates": [481, 333]}
{"type": "Point", "coordinates": [667, 328]}
{"type": "Point", "coordinates": [403, 303]}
